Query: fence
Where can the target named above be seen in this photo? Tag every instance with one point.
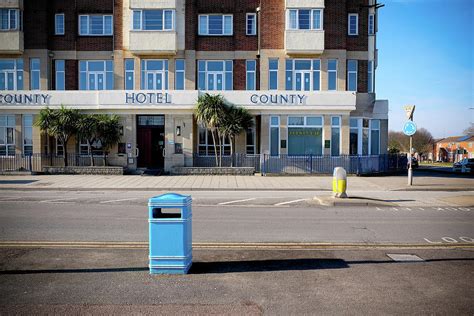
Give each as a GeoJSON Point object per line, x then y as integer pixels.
{"type": "Point", "coordinates": [35, 162]}
{"type": "Point", "coordinates": [308, 164]}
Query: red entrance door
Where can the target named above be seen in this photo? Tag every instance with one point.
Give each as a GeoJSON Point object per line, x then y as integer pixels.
{"type": "Point", "coordinates": [145, 147]}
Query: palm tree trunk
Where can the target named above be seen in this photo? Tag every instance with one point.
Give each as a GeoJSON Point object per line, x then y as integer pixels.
{"type": "Point", "coordinates": [232, 140]}
{"type": "Point", "coordinates": [65, 153]}
{"type": "Point", "coordinates": [215, 147]}
{"type": "Point", "coordinates": [221, 147]}
{"type": "Point", "coordinates": [90, 153]}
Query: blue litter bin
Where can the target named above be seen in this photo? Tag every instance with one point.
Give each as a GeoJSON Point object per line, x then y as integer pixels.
{"type": "Point", "coordinates": [170, 229]}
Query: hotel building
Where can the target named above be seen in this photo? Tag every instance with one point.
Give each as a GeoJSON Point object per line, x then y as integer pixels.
{"type": "Point", "coordinates": [305, 69]}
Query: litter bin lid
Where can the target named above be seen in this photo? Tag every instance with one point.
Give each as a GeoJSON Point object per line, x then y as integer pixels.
{"type": "Point", "coordinates": [170, 199]}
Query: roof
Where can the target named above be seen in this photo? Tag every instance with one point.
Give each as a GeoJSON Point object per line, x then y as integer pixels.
{"type": "Point", "coordinates": [455, 139]}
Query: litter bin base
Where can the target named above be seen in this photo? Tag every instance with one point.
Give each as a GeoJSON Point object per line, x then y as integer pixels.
{"type": "Point", "coordinates": [170, 269]}
{"type": "Point", "coordinates": [167, 265]}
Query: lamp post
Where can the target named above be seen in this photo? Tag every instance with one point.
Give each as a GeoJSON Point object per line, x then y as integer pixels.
{"type": "Point", "coordinates": [409, 129]}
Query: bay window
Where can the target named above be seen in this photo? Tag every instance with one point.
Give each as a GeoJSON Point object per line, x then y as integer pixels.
{"type": "Point", "coordinates": [10, 19]}
{"type": "Point", "coordinates": [305, 19]}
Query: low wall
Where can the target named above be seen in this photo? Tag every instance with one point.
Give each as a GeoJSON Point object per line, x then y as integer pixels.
{"type": "Point", "coordinates": [237, 171]}
{"type": "Point", "coordinates": [84, 170]}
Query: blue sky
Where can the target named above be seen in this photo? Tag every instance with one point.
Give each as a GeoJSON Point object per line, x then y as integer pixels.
{"type": "Point", "coordinates": [426, 58]}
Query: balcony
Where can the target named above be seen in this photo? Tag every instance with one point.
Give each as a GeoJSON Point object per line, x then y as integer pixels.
{"type": "Point", "coordinates": [153, 4]}
{"type": "Point", "coordinates": [153, 42]}
{"type": "Point", "coordinates": [12, 42]}
{"type": "Point", "coordinates": [304, 42]}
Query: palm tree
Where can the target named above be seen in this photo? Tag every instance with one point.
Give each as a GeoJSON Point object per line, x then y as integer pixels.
{"type": "Point", "coordinates": [210, 112]}
{"type": "Point", "coordinates": [87, 130]}
{"type": "Point", "coordinates": [108, 132]}
{"type": "Point", "coordinates": [236, 121]}
{"type": "Point", "coordinates": [44, 121]}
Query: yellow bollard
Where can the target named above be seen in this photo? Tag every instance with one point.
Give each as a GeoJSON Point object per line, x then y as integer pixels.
{"type": "Point", "coordinates": [339, 182]}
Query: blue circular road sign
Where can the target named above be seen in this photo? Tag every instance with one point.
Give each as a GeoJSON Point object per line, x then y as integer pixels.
{"type": "Point", "coordinates": [409, 128]}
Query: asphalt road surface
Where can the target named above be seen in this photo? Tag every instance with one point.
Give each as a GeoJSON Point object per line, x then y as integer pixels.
{"type": "Point", "coordinates": [229, 217]}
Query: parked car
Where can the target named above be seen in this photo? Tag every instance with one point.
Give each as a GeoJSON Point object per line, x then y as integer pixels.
{"type": "Point", "coordinates": [465, 165]}
{"type": "Point", "coordinates": [414, 163]}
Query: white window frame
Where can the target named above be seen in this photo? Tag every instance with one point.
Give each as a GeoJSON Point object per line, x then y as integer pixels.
{"type": "Point", "coordinates": [223, 24]}
{"type": "Point", "coordinates": [311, 19]}
{"type": "Point", "coordinates": [270, 136]}
{"type": "Point", "coordinates": [180, 71]}
{"type": "Point", "coordinates": [252, 73]}
{"type": "Point", "coordinates": [340, 135]}
{"type": "Point", "coordinates": [356, 15]}
{"type": "Point", "coordinates": [164, 73]}
{"type": "Point", "coordinates": [311, 71]}
{"type": "Point", "coordinates": [58, 146]}
{"type": "Point", "coordinates": [223, 72]}
{"type": "Point", "coordinates": [371, 24]}
{"type": "Point", "coordinates": [370, 77]}
{"type": "Point", "coordinates": [16, 72]}
{"type": "Point", "coordinates": [253, 131]}
{"type": "Point", "coordinates": [104, 72]}
{"type": "Point", "coordinates": [305, 125]}
{"type": "Point", "coordinates": [270, 72]}
{"type": "Point", "coordinates": [24, 129]}
{"type": "Point", "coordinates": [224, 145]}
{"type": "Point", "coordinates": [35, 73]}
{"type": "Point", "coordinates": [360, 131]}
{"type": "Point", "coordinates": [142, 21]}
{"type": "Point", "coordinates": [56, 30]}
{"type": "Point", "coordinates": [127, 72]}
{"type": "Point", "coordinates": [253, 31]}
{"type": "Point", "coordinates": [371, 128]}
{"type": "Point", "coordinates": [352, 72]}
{"type": "Point", "coordinates": [335, 71]}
{"type": "Point", "coordinates": [9, 20]}
{"type": "Point", "coordinates": [5, 133]}
{"type": "Point", "coordinates": [88, 33]}
{"type": "Point", "coordinates": [83, 144]}
{"type": "Point", "coordinates": [59, 73]}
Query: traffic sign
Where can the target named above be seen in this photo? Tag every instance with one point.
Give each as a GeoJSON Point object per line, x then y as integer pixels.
{"type": "Point", "coordinates": [409, 128]}
{"type": "Point", "coordinates": [409, 109]}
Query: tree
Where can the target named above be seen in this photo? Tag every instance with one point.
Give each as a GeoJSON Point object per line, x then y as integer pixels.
{"type": "Point", "coordinates": [236, 120]}
{"type": "Point", "coordinates": [210, 112]}
{"type": "Point", "coordinates": [108, 132]}
{"type": "Point", "coordinates": [45, 122]}
{"type": "Point", "coordinates": [469, 130]}
{"type": "Point", "coordinates": [422, 141]}
{"type": "Point", "coordinates": [60, 123]}
{"type": "Point", "coordinates": [87, 130]}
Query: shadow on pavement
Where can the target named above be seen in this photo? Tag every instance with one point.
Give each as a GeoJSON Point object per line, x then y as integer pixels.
{"type": "Point", "coordinates": [220, 267]}
{"type": "Point", "coordinates": [17, 181]}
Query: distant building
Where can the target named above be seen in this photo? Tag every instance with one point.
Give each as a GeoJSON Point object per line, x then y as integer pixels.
{"type": "Point", "coordinates": [454, 148]}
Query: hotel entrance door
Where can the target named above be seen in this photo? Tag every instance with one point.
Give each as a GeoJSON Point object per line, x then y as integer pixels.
{"type": "Point", "coordinates": [151, 141]}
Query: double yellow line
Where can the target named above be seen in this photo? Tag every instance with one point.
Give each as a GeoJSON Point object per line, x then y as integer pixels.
{"type": "Point", "coordinates": [230, 245]}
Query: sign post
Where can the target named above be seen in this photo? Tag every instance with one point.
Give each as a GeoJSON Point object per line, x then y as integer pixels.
{"type": "Point", "coordinates": [409, 129]}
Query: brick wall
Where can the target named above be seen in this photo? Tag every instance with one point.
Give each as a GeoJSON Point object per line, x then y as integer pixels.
{"type": "Point", "coordinates": [239, 74]}
{"type": "Point", "coordinates": [35, 24]}
{"type": "Point", "coordinates": [72, 75]}
{"type": "Point", "coordinates": [118, 24]}
{"type": "Point", "coordinates": [68, 40]}
{"type": "Point", "coordinates": [362, 76]}
{"type": "Point", "coordinates": [272, 24]}
{"type": "Point", "coordinates": [361, 41]}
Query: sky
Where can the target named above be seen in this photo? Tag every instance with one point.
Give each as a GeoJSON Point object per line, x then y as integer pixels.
{"type": "Point", "coordinates": [426, 58]}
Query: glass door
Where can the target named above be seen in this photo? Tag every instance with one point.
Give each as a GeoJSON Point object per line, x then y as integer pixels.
{"type": "Point", "coordinates": [154, 80]}
{"type": "Point", "coordinates": [303, 80]}
{"type": "Point", "coordinates": [96, 81]}
{"type": "Point", "coordinates": [7, 80]}
{"type": "Point", "coordinates": [215, 81]}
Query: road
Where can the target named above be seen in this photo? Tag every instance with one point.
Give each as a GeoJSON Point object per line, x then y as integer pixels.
{"type": "Point", "coordinates": [234, 217]}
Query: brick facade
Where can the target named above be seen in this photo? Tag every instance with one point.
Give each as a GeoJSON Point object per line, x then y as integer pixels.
{"type": "Point", "coordinates": [35, 24]}
{"type": "Point", "coordinates": [362, 76]}
{"type": "Point", "coordinates": [72, 75]}
{"type": "Point", "coordinates": [272, 24]}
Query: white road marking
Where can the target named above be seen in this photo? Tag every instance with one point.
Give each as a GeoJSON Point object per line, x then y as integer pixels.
{"type": "Point", "coordinates": [394, 208]}
{"type": "Point", "coordinates": [408, 209]}
{"type": "Point", "coordinates": [378, 208]}
{"type": "Point", "coordinates": [289, 202]}
{"type": "Point", "coordinates": [432, 242]}
{"type": "Point", "coordinates": [120, 200]}
{"type": "Point", "coordinates": [236, 201]}
{"type": "Point", "coordinates": [58, 200]}
{"type": "Point", "coordinates": [12, 198]}
{"type": "Point", "coordinates": [421, 209]}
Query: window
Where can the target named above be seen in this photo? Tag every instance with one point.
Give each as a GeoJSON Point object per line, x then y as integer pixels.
{"type": "Point", "coordinates": [154, 74]}
{"type": "Point", "coordinates": [60, 81]}
{"type": "Point", "coordinates": [153, 20]}
{"type": "Point", "coordinates": [27, 135]}
{"type": "Point", "coordinates": [273, 74]}
{"type": "Point", "coordinates": [251, 24]}
{"type": "Point", "coordinates": [59, 148]}
{"type": "Point", "coordinates": [371, 24]}
{"type": "Point", "coordinates": [95, 148]}
{"type": "Point", "coordinates": [215, 75]}
{"type": "Point", "coordinates": [215, 24]}
{"type": "Point", "coordinates": [332, 74]}
{"type": "Point", "coordinates": [303, 74]}
{"type": "Point", "coordinates": [335, 135]}
{"type": "Point", "coordinates": [353, 24]}
{"type": "Point", "coordinates": [179, 74]}
{"type": "Point", "coordinates": [305, 135]}
{"type": "Point", "coordinates": [11, 74]}
{"type": "Point", "coordinates": [251, 140]}
{"type": "Point", "coordinates": [129, 73]}
{"type": "Point", "coordinates": [206, 145]}
{"type": "Point", "coordinates": [95, 25]}
{"type": "Point", "coordinates": [364, 137]}
{"type": "Point", "coordinates": [34, 74]}
{"type": "Point", "coordinates": [352, 75]}
{"type": "Point", "coordinates": [96, 75]}
{"type": "Point", "coordinates": [59, 24]}
{"type": "Point", "coordinates": [370, 76]}
{"type": "Point", "coordinates": [251, 66]}
{"type": "Point", "coordinates": [9, 19]}
{"type": "Point", "coordinates": [305, 19]}
{"type": "Point", "coordinates": [7, 135]}
{"type": "Point", "coordinates": [274, 136]}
